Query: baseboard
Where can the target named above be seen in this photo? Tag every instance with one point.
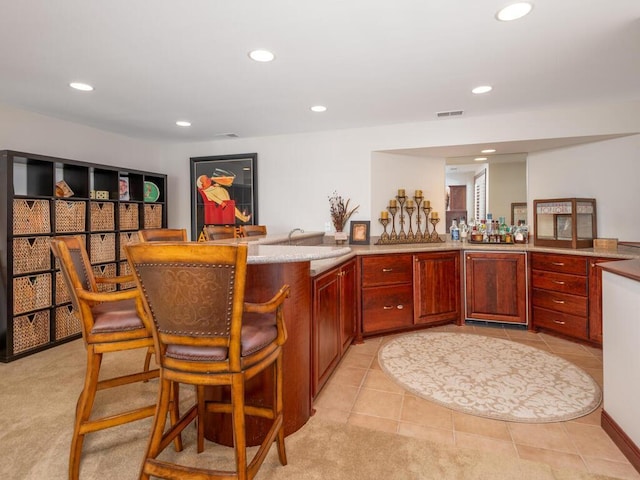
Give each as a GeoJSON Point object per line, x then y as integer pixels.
{"type": "Point", "coordinates": [622, 441]}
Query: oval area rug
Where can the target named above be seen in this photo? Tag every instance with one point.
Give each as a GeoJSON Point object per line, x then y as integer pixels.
{"type": "Point", "coordinates": [490, 377]}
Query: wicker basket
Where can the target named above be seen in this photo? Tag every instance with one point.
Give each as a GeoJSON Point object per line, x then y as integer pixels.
{"type": "Point", "coordinates": [70, 216]}
{"type": "Point", "coordinates": [30, 331]}
{"type": "Point", "coordinates": [31, 293]}
{"type": "Point", "coordinates": [102, 247]}
{"type": "Point", "coordinates": [102, 216]}
{"type": "Point", "coordinates": [31, 216]}
{"type": "Point", "coordinates": [62, 292]}
{"type": "Point", "coordinates": [129, 216]}
{"type": "Point", "coordinates": [31, 254]}
{"type": "Point", "coordinates": [153, 215]}
{"type": "Point", "coordinates": [67, 322]}
{"type": "Point", "coordinates": [125, 269]}
{"type": "Point", "coordinates": [127, 238]}
{"type": "Point", "coordinates": [108, 270]}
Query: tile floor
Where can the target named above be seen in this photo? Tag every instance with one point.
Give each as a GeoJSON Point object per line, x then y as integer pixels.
{"type": "Point", "coordinates": [360, 393]}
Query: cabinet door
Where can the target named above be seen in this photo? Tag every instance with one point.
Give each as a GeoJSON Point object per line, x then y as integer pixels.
{"type": "Point", "coordinates": [326, 345]}
{"type": "Point", "coordinates": [436, 287]}
{"type": "Point", "coordinates": [496, 287]}
{"type": "Point", "coordinates": [595, 299]}
{"type": "Point", "coordinates": [348, 310]}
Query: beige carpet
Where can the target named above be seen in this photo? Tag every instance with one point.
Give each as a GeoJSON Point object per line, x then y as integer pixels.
{"type": "Point", "coordinates": [490, 377]}
{"type": "Point", "coordinates": [38, 398]}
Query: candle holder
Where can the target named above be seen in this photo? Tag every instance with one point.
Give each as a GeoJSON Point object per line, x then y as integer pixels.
{"type": "Point", "coordinates": [434, 235]}
{"type": "Point", "coordinates": [427, 210]}
{"type": "Point", "coordinates": [401, 199]}
{"type": "Point", "coordinates": [393, 211]}
{"type": "Point", "coordinates": [410, 235]}
{"type": "Point", "coordinates": [385, 236]}
{"type": "Point", "coordinates": [418, 235]}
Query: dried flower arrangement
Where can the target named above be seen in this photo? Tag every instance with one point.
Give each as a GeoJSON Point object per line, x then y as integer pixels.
{"type": "Point", "coordinates": [340, 212]}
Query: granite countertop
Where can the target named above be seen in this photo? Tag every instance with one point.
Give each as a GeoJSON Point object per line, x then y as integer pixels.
{"type": "Point", "coordinates": [265, 253]}
{"type": "Point", "coordinates": [625, 268]}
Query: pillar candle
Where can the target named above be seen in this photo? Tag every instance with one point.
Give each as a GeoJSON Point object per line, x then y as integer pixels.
{"type": "Point", "coordinates": [427, 203]}
{"type": "Point", "coordinates": [409, 203]}
{"type": "Point", "coordinates": [401, 192]}
{"type": "Point", "coordinates": [434, 214]}
{"type": "Point", "coordinates": [418, 193]}
{"type": "Point", "coordinates": [393, 203]}
{"type": "Point", "coordinates": [384, 214]}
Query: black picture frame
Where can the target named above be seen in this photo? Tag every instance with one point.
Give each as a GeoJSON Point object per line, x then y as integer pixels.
{"type": "Point", "coordinates": [360, 232]}
{"type": "Point", "coordinates": [224, 191]}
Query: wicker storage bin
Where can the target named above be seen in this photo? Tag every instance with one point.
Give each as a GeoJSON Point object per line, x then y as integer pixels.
{"type": "Point", "coordinates": [127, 238]}
{"type": "Point", "coordinates": [129, 216]}
{"type": "Point", "coordinates": [102, 247]}
{"type": "Point", "coordinates": [31, 293]}
{"type": "Point", "coordinates": [30, 331]}
{"type": "Point", "coordinates": [102, 216]}
{"type": "Point", "coordinates": [31, 216]}
{"type": "Point", "coordinates": [108, 270]}
{"type": "Point", "coordinates": [125, 269]}
{"type": "Point", "coordinates": [62, 292]}
{"type": "Point", "coordinates": [70, 216]}
{"type": "Point", "coordinates": [31, 254]}
{"type": "Point", "coordinates": [67, 322]}
{"type": "Point", "coordinates": [153, 215]}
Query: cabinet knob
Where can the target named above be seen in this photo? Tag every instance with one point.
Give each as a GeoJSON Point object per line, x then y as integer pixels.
{"type": "Point", "coordinates": [558, 282]}
{"type": "Point", "coordinates": [558, 264]}
{"type": "Point", "coordinates": [388, 307]}
{"type": "Point", "coordinates": [400, 307]}
{"type": "Point", "coordinates": [558, 301]}
{"type": "Point", "coordinates": [387, 270]}
{"type": "Point", "coordinates": [559, 322]}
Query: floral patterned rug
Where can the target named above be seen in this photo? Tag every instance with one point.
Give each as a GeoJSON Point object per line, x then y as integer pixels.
{"type": "Point", "coordinates": [490, 377]}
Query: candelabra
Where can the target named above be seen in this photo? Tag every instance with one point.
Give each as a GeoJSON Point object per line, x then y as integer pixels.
{"type": "Point", "coordinates": [403, 208]}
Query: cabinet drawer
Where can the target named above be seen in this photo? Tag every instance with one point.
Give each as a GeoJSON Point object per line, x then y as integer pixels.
{"type": "Point", "coordinates": [559, 263]}
{"type": "Point", "coordinates": [386, 270]}
{"type": "Point", "coordinates": [560, 302]}
{"type": "Point", "coordinates": [559, 282]}
{"type": "Point", "coordinates": [570, 325]}
{"type": "Point", "coordinates": [386, 308]}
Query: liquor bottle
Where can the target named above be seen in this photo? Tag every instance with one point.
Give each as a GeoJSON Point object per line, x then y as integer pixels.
{"type": "Point", "coordinates": [455, 231]}
{"type": "Point", "coordinates": [464, 229]}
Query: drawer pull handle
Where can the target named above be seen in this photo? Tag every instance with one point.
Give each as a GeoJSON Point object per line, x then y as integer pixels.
{"type": "Point", "coordinates": [558, 301]}
{"type": "Point", "coordinates": [559, 322]}
{"type": "Point", "coordinates": [400, 307]}
{"type": "Point", "coordinates": [387, 270]}
{"type": "Point", "coordinates": [558, 282]}
{"type": "Point", "coordinates": [558, 264]}
{"type": "Point", "coordinates": [388, 307]}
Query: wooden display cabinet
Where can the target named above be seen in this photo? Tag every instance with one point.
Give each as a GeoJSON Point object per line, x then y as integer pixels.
{"type": "Point", "coordinates": [565, 222]}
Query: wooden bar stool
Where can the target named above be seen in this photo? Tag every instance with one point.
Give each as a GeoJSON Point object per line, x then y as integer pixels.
{"type": "Point", "coordinates": [163, 235]}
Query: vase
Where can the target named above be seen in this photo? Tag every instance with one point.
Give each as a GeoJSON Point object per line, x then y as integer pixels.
{"type": "Point", "coordinates": [340, 237]}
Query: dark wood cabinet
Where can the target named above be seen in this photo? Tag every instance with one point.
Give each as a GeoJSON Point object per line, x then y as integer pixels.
{"type": "Point", "coordinates": [387, 292]}
{"type": "Point", "coordinates": [595, 298]}
{"type": "Point", "coordinates": [495, 287]}
{"type": "Point", "coordinates": [46, 197]}
{"type": "Point", "coordinates": [436, 287]}
{"type": "Point", "coordinates": [334, 320]}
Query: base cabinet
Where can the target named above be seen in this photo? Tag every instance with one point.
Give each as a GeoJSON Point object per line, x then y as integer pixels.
{"type": "Point", "coordinates": [436, 287]}
{"type": "Point", "coordinates": [495, 287]}
{"type": "Point", "coordinates": [333, 321]}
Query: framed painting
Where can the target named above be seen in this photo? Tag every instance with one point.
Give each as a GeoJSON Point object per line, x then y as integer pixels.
{"type": "Point", "coordinates": [223, 191]}
{"type": "Point", "coordinates": [359, 232]}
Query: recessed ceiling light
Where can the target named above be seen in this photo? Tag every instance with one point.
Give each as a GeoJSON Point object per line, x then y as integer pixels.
{"type": "Point", "coordinates": [482, 89]}
{"type": "Point", "coordinates": [514, 11]}
{"type": "Point", "coordinates": [85, 87]}
{"type": "Point", "coordinates": [318, 108]}
{"type": "Point", "coordinates": [261, 55]}
{"type": "Point", "coordinates": [489, 150]}
{"type": "Point", "coordinates": [480, 159]}
{"type": "Point", "coordinates": [183, 123]}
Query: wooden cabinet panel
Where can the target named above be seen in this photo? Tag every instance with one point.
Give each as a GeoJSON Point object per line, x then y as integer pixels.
{"type": "Point", "coordinates": [496, 286]}
{"type": "Point", "coordinates": [387, 308]}
{"type": "Point", "coordinates": [561, 302]}
{"type": "Point", "coordinates": [386, 270]}
{"type": "Point", "coordinates": [348, 306]}
{"type": "Point", "coordinates": [559, 282]}
{"type": "Point", "coordinates": [595, 298]}
{"type": "Point", "coordinates": [564, 323]}
{"type": "Point", "coordinates": [436, 287]}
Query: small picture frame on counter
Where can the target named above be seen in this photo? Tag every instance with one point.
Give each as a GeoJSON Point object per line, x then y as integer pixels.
{"type": "Point", "coordinates": [360, 232]}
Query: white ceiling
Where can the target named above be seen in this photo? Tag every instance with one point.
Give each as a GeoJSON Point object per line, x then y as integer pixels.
{"type": "Point", "coordinates": [371, 62]}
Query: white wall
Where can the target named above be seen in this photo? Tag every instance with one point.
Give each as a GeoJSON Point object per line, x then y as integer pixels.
{"type": "Point", "coordinates": [296, 173]}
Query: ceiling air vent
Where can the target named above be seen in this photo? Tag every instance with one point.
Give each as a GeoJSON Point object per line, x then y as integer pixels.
{"type": "Point", "coordinates": [451, 113]}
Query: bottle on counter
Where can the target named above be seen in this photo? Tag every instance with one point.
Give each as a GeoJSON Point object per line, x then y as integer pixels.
{"type": "Point", "coordinates": [464, 229]}
{"type": "Point", "coordinates": [455, 231]}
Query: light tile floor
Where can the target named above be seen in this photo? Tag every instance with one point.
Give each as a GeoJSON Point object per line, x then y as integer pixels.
{"type": "Point", "coordinates": [360, 393]}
